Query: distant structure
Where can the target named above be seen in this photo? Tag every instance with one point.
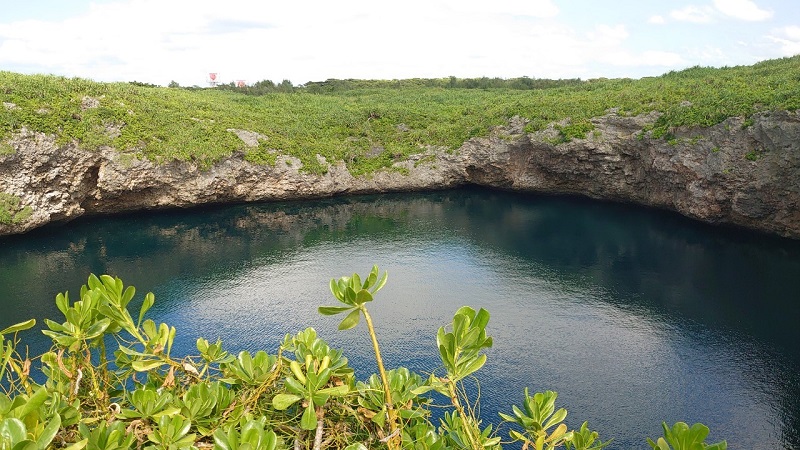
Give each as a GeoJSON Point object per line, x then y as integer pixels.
{"type": "Point", "coordinates": [241, 83]}
{"type": "Point", "coordinates": [212, 79]}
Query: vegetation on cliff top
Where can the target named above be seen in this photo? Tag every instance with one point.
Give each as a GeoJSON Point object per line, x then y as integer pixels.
{"type": "Point", "coordinates": [371, 124]}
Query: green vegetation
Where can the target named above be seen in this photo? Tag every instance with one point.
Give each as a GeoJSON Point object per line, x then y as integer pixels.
{"type": "Point", "coordinates": [111, 381]}
{"type": "Point", "coordinates": [370, 125]}
{"type": "Point", "coordinates": [12, 210]}
{"type": "Point", "coordinates": [522, 83]}
{"type": "Point", "coordinates": [566, 133]}
{"type": "Point", "coordinates": [6, 149]}
{"type": "Point", "coordinates": [683, 437]}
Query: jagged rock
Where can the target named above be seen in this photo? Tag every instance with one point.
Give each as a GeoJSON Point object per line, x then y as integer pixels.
{"type": "Point", "coordinates": [250, 138]}
{"type": "Point", "coordinates": [89, 103]}
{"type": "Point", "coordinates": [729, 173]}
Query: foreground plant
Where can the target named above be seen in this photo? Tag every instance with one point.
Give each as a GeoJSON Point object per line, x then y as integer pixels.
{"type": "Point", "coordinates": [537, 418]}
{"type": "Point", "coordinates": [461, 351]}
{"type": "Point", "coordinates": [305, 397]}
{"type": "Point", "coordinates": [544, 428]}
{"type": "Point", "coordinates": [309, 383]}
{"type": "Point", "coordinates": [355, 294]}
{"type": "Point", "coordinates": [683, 437]}
{"type": "Point", "coordinates": [9, 359]}
{"type": "Point", "coordinates": [251, 434]}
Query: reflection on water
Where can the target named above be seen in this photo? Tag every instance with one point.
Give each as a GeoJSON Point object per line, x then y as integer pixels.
{"type": "Point", "coordinates": [633, 316]}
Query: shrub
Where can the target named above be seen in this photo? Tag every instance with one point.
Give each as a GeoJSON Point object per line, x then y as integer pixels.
{"type": "Point", "coordinates": [305, 396]}
{"type": "Point", "coordinates": [12, 210]}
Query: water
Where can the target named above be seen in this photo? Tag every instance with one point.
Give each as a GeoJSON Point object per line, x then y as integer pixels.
{"type": "Point", "coordinates": [634, 316]}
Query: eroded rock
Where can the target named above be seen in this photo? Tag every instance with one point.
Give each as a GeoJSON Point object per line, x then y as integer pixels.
{"type": "Point", "coordinates": [729, 173]}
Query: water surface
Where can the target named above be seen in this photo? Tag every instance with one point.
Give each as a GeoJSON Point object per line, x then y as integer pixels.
{"type": "Point", "coordinates": [634, 316]}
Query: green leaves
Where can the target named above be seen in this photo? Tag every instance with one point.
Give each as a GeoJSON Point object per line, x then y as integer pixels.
{"type": "Point", "coordinates": [249, 370]}
{"type": "Point", "coordinates": [14, 435]}
{"type": "Point", "coordinates": [353, 293]}
{"type": "Point", "coordinates": [311, 382]}
{"type": "Point", "coordinates": [460, 349]}
{"type": "Point", "coordinates": [149, 300]}
{"type": "Point", "coordinates": [538, 417]}
{"type": "Point", "coordinates": [200, 400]}
{"type": "Point", "coordinates": [309, 419]}
{"type": "Point", "coordinates": [150, 404]}
{"type": "Point", "coordinates": [84, 322]}
{"type": "Point", "coordinates": [332, 310]}
{"type": "Point", "coordinates": [464, 432]}
{"type": "Point", "coordinates": [406, 389]}
{"type": "Point", "coordinates": [172, 432]}
{"type": "Point", "coordinates": [351, 320]}
{"type": "Point", "coordinates": [17, 327]}
{"type": "Point", "coordinates": [306, 386]}
{"type": "Point", "coordinates": [26, 424]}
{"type": "Point", "coordinates": [250, 435]}
{"type": "Point", "coordinates": [103, 308]}
{"type": "Point", "coordinates": [585, 439]}
{"type": "Point", "coordinates": [308, 383]}
{"type": "Point", "coordinates": [107, 436]}
{"type": "Point", "coordinates": [8, 349]}
{"type": "Point", "coordinates": [282, 402]}
{"type": "Point", "coordinates": [682, 437]}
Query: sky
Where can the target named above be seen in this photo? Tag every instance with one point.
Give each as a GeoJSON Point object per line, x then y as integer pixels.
{"type": "Point", "coordinates": [159, 41]}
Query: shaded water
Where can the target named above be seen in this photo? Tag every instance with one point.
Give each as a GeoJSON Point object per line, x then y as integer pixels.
{"type": "Point", "coordinates": [634, 316]}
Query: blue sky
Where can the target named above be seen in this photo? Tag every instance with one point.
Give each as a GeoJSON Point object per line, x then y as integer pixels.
{"type": "Point", "coordinates": [158, 41]}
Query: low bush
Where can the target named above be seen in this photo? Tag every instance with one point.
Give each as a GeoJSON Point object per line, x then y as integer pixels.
{"type": "Point", "coordinates": [111, 381]}
{"type": "Point", "coordinates": [12, 210]}
{"type": "Point", "coordinates": [370, 125]}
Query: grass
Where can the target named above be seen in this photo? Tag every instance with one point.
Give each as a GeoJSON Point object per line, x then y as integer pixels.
{"type": "Point", "coordinates": [371, 127]}
{"type": "Point", "coordinates": [6, 149]}
{"type": "Point", "coordinates": [11, 209]}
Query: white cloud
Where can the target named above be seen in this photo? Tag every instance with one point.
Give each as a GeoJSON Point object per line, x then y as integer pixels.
{"type": "Point", "coordinates": [709, 55]}
{"type": "Point", "coordinates": [155, 41]}
{"type": "Point", "coordinates": [660, 58]}
{"type": "Point", "coordinates": [648, 58]}
{"type": "Point", "coordinates": [608, 34]}
{"type": "Point", "coordinates": [742, 9]}
{"type": "Point", "coordinates": [606, 45]}
{"type": "Point", "coordinates": [788, 40]}
{"type": "Point", "coordinates": [656, 20]}
{"type": "Point", "coordinates": [694, 14]}
{"type": "Point", "coordinates": [532, 8]}
{"type": "Point", "coordinates": [791, 32]}
{"type": "Point", "coordinates": [182, 40]}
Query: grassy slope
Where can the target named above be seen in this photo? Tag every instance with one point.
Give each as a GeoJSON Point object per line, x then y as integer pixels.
{"type": "Point", "coordinates": [164, 123]}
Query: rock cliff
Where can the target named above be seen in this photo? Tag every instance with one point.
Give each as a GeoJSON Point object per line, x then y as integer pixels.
{"type": "Point", "coordinates": [740, 172]}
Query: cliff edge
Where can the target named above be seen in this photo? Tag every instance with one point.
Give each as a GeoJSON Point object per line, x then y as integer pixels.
{"type": "Point", "coordinates": [743, 172]}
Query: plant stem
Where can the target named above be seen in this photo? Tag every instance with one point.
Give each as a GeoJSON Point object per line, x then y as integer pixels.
{"type": "Point", "coordinates": [387, 392]}
{"type": "Point", "coordinates": [320, 423]}
{"type": "Point", "coordinates": [451, 385]}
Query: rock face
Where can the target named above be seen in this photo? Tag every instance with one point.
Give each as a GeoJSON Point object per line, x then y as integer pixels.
{"type": "Point", "coordinates": [737, 172]}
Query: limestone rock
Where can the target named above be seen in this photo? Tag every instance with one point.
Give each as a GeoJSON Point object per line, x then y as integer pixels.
{"type": "Point", "coordinates": [730, 173]}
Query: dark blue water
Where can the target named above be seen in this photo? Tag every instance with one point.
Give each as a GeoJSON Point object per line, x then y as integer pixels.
{"type": "Point", "coordinates": [634, 316]}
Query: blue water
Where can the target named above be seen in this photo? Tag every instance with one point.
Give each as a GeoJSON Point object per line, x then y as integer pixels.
{"type": "Point", "coordinates": [634, 316]}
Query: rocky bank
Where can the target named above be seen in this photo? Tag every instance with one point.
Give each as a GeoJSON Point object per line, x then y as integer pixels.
{"type": "Point", "coordinates": [739, 172]}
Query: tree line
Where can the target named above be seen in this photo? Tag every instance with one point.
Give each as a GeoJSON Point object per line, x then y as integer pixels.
{"type": "Point", "coordinates": [332, 85]}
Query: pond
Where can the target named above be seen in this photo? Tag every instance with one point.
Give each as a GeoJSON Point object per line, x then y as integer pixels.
{"type": "Point", "coordinates": [633, 316]}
